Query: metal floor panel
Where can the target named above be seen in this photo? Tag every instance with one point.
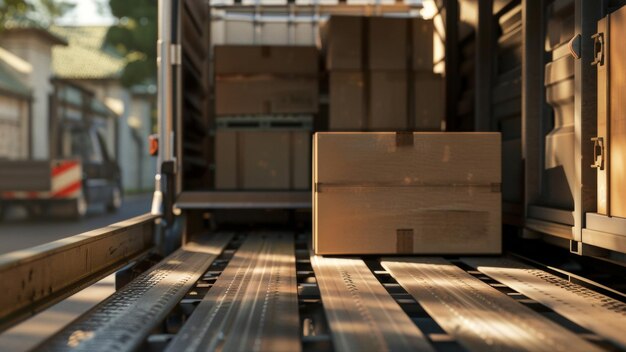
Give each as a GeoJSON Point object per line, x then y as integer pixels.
{"type": "Point", "coordinates": [596, 312]}
{"type": "Point", "coordinates": [253, 305]}
{"type": "Point", "coordinates": [122, 322]}
{"type": "Point", "coordinates": [361, 313]}
{"type": "Point", "coordinates": [478, 316]}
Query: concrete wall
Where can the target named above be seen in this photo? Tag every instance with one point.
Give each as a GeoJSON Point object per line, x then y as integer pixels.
{"type": "Point", "coordinates": [141, 166]}
{"type": "Point", "coordinates": [133, 128]}
{"type": "Point", "coordinates": [37, 52]}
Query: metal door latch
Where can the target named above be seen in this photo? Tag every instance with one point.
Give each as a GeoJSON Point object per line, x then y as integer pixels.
{"type": "Point", "coordinates": [598, 49]}
{"type": "Point", "coordinates": [176, 54]}
{"type": "Point", "coordinates": [598, 153]}
{"type": "Point", "coordinates": [574, 46]}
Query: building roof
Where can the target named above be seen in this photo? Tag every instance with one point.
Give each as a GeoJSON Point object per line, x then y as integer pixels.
{"type": "Point", "coordinates": [24, 24]}
{"type": "Point", "coordinates": [85, 56]}
{"type": "Point", "coordinates": [10, 82]}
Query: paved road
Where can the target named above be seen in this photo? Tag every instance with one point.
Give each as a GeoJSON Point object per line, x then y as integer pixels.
{"type": "Point", "coordinates": [16, 232]}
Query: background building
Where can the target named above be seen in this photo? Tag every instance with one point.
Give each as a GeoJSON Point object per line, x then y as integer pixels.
{"type": "Point", "coordinates": [88, 63]}
{"type": "Point", "coordinates": [15, 114]}
{"type": "Point", "coordinates": [30, 45]}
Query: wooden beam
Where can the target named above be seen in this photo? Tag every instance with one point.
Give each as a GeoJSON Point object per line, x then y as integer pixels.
{"type": "Point", "coordinates": [36, 278]}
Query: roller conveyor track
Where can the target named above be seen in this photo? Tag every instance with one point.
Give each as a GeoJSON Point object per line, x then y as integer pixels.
{"type": "Point", "coordinates": [361, 314]}
{"type": "Point", "coordinates": [253, 306]}
{"type": "Point", "coordinates": [260, 292]}
{"type": "Point", "coordinates": [476, 314]}
{"type": "Point", "coordinates": [121, 322]}
{"type": "Point", "coordinates": [601, 314]}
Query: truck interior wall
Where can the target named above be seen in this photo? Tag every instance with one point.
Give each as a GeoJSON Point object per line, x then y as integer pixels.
{"type": "Point", "coordinates": [505, 93]}
{"type": "Point", "coordinates": [226, 31]}
{"type": "Point", "coordinates": [500, 76]}
{"type": "Point", "coordinates": [547, 28]}
{"type": "Point", "coordinates": [195, 140]}
{"type": "Point", "coordinates": [468, 22]}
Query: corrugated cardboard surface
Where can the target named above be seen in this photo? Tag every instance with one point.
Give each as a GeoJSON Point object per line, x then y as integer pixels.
{"type": "Point", "coordinates": [257, 59]}
{"type": "Point", "coordinates": [429, 101]}
{"type": "Point", "coordinates": [422, 40]}
{"type": "Point", "coordinates": [379, 193]}
{"type": "Point", "coordinates": [442, 221]}
{"type": "Point", "coordinates": [226, 160]}
{"type": "Point", "coordinates": [347, 99]}
{"type": "Point", "coordinates": [388, 101]}
{"type": "Point", "coordinates": [262, 160]}
{"type": "Point", "coordinates": [266, 95]}
{"type": "Point", "coordinates": [345, 43]}
{"type": "Point", "coordinates": [388, 45]}
{"type": "Point", "coordinates": [357, 105]}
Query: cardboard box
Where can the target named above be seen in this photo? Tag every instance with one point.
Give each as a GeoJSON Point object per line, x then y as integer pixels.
{"type": "Point", "coordinates": [428, 101]}
{"type": "Point", "coordinates": [388, 101]}
{"type": "Point", "coordinates": [347, 101]}
{"type": "Point", "coordinates": [422, 32]}
{"type": "Point", "coordinates": [406, 193]}
{"type": "Point", "coordinates": [344, 47]}
{"type": "Point", "coordinates": [266, 95]}
{"type": "Point", "coordinates": [368, 101]}
{"type": "Point", "coordinates": [387, 44]}
{"type": "Point", "coordinates": [256, 59]}
{"type": "Point", "coordinates": [262, 160]}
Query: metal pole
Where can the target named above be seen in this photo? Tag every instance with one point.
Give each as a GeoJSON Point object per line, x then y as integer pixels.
{"type": "Point", "coordinates": [165, 99]}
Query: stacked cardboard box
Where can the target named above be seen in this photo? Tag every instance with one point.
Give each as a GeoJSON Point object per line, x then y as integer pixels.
{"type": "Point", "coordinates": [381, 74]}
{"type": "Point", "coordinates": [265, 100]}
{"type": "Point", "coordinates": [406, 193]}
{"type": "Point", "coordinates": [251, 155]}
{"type": "Point", "coordinates": [266, 80]}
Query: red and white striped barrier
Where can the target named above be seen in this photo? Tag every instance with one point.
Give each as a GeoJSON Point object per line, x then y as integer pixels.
{"type": "Point", "coordinates": [67, 176]}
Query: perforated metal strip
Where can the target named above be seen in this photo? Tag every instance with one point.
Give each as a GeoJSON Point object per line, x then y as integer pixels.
{"type": "Point", "coordinates": [361, 313]}
{"type": "Point", "coordinates": [475, 314]}
{"type": "Point", "coordinates": [253, 305]}
{"type": "Point", "coordinates": [121, 322]}
{"type": "Point", "coordinates": [596, 312]}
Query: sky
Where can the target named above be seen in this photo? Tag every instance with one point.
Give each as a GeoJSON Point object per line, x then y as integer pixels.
{"type": "Point", "coordinates": [88, 12]}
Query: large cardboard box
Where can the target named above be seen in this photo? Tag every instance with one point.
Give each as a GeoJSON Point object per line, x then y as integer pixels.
{"type": "Point", "coordinates": [344, 45]}
{"type": "Point", "coordinates": [262, 160]}
{"type": "Point", "coordinates": [388, 44]}
{"type": "Point", "coordinates": [266, 95]}
{"type": "Point", "coordinates": [347, 101]}
{"type": "Point", "coordinates": [388, 101]}
{"type": "Point", "coordinates": [428, 101]}
{"type": "Point", "coordinates": [257, 59]}
{"type": "Point", "coordinates": [406, 193]}
{"type": "Point", "coordinates": [422, 32]}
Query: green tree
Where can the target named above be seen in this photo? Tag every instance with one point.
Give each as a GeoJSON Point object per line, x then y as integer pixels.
{"type": "Point", "coordinates": [12, 8]}
{"type": "Point", "coordinates": [134, 37]}
{"type": "Point", "coordinates": [42, 11]}
{"type": "Point", "coordinates": [53, 9]}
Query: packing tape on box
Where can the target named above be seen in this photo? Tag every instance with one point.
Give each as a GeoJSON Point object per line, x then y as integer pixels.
{"type": "Point", "coordinates": [404, 139]}
{"type": "Point", "coordinates": [404, 241]}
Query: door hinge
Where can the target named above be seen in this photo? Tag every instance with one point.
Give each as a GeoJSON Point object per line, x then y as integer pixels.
{"type": "Point", "coordinates": [176, 52]}
{"type": "Point", "coordinates": [598, 49]}
{"type": "Point", "coordinates": [598, 153]}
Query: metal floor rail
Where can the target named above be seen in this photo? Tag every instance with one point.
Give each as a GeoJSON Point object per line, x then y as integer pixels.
{"type": "Point", "coordinates": [266, 292]}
